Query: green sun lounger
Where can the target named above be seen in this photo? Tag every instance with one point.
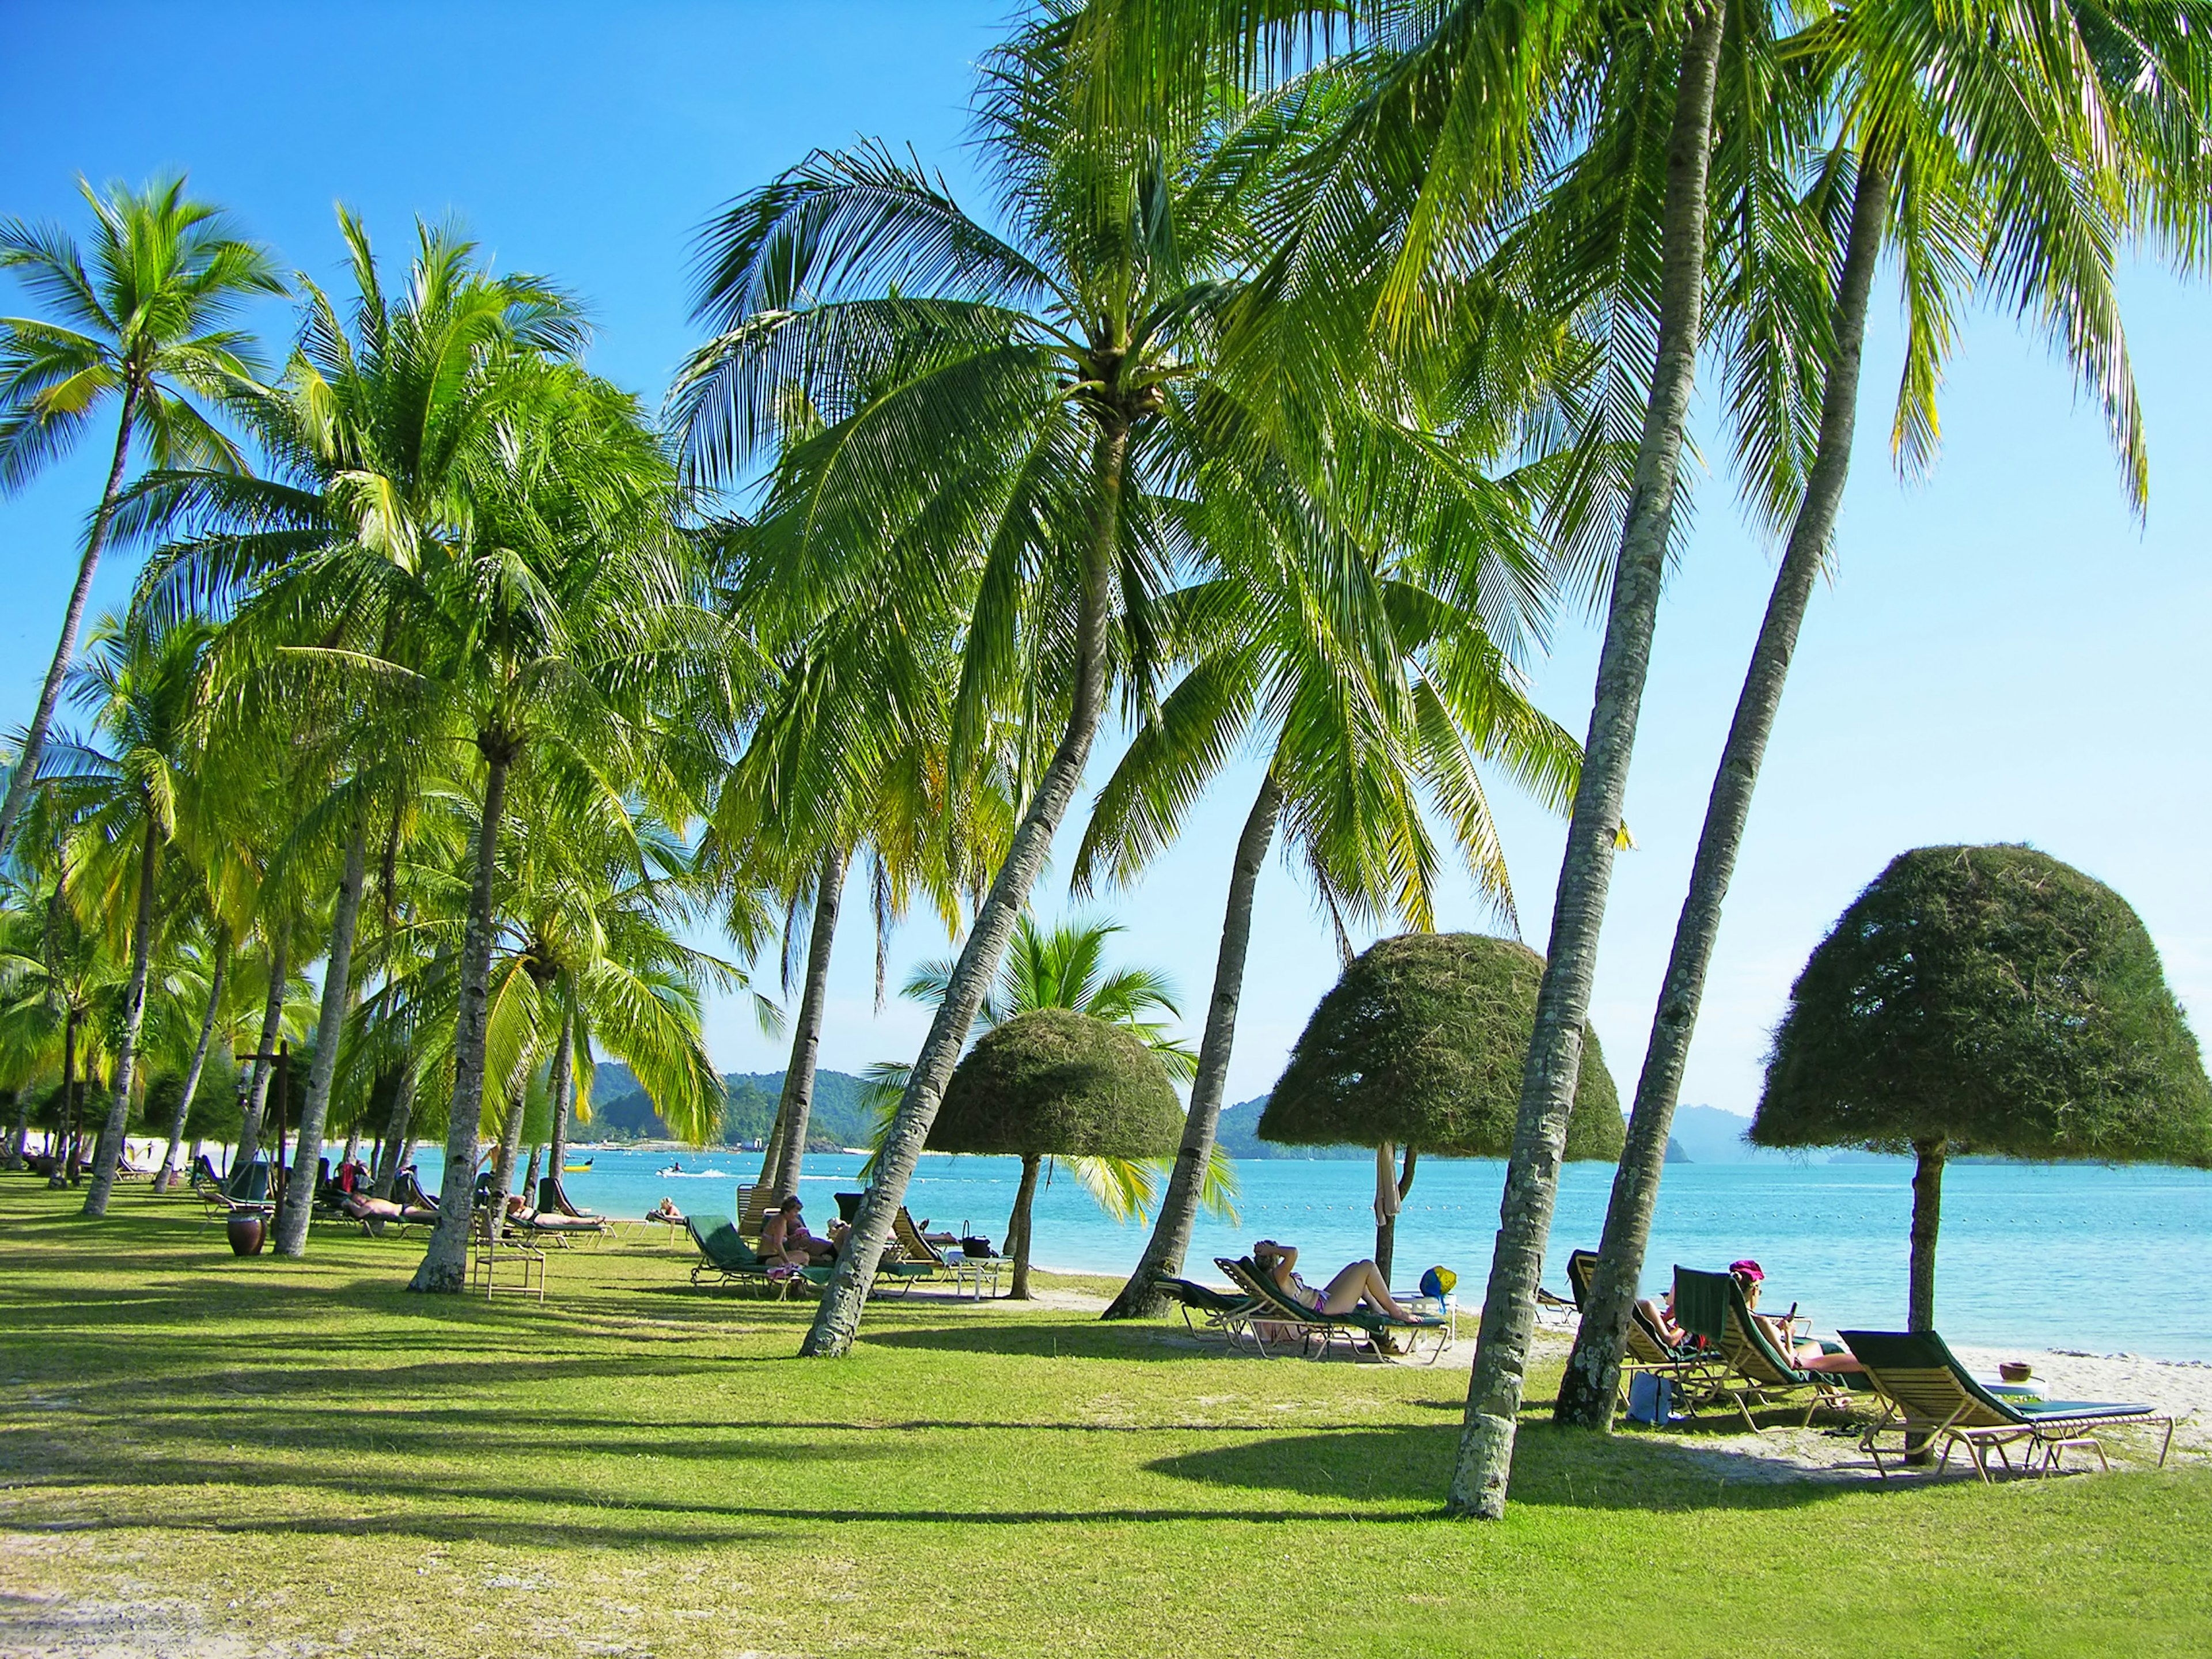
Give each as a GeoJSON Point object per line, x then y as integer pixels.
{"type": "Point", "coordinates": [1695, 1371]}
{"type": "Point", "coordinates": [1206, 1307]}
{"type": "Point", "coordinates": [726, 1258]}
{"type": "Point", "coordinates": [1750, 1371]}
{"type": "Point", "coordinates": [1317, 1332]}
{"type": "Point", "coordinates": [1929, 1396]}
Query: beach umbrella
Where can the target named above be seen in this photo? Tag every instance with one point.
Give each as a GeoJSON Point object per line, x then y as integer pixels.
{"type": "Point", "coordinates": [1984, 999]}
{"type": "Point", "coordinates": [1420, 1045]}
{"type": "Point", "coordinates": [1053, 1083]}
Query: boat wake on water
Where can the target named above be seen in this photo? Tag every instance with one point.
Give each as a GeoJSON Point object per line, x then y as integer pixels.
{"type": "Point", "coordinates": [674, 1172]}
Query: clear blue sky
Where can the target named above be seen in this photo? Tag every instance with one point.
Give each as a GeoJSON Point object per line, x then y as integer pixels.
{"type": "Point", "coordinates": [2004, 655]}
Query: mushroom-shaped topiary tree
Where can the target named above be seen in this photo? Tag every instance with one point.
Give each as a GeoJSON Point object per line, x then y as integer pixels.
{"type": "Point", "coordinates": [1053, 1083]}
{"type": "Point", "coordinates": [1984, 999]}
{"type": "Point", "coordinates": [1420, 1045]}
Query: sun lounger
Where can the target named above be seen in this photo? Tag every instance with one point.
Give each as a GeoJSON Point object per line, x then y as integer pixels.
{"type": "Point", "coordinates": [407, 1189]}
{"type": "Point", "coordinates": [535, 1226]}
{"type": "Point", "coordinates": [1750, 1371]}
{"type": "Point", "coordinates": [249, 1183]}
{"type": "Point", "coordinates": [1206, 1307]}
{"type": "Point", "coordinates": [553, 1199]}
{"type": "Point", "coordinates": [916, 1248]}
{"type": "Point", "coordinates": [1928, 1396]}
{"type": "Point", "coordinates": [1695, 1372]}
{"type": "Point", "coordinates": [1317, 1332]}
{"type": "Point", "coordinates": [216, 1202]}
{"type": "Point", "coordinates": [726, 1257]}
{"type": "Point", "coordinates": [382, 1218]}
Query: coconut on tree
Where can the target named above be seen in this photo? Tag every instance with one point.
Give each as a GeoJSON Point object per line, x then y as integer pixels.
{"type": "Point", "coordinates": [1985, 999]}
{"type": "Point", "coordinates": [1419, 1046]}
{"type": "Point", "coordinates": [1056, 1084]}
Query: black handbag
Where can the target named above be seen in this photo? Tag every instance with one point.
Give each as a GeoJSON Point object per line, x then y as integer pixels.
{"type": "Point", "coordinates": [975, 1244]}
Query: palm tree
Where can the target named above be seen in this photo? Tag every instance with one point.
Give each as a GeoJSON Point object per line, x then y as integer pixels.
{"type": "Point", "coordinates": [141, 684]}
{"type": "Point", "coordinates": [1466, 112]}
{"type": "Point", "coordinates": [1001, 416]}
{"type": "Point", "coordinates": [591, 961]}
{"type": "Point", "coordinates": [1065, 967]}
{"type": "Point", "coordinates": [1350, 754]}
{"type": "Point", "coordinates": [144, 326]}
{"type": "Point", "coordinates": [2002, 169]}
{"type": "Point", "coordinates": [847, 763]}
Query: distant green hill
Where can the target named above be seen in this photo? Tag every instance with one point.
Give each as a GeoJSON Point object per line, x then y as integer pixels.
{"type": "Point", "coordinates": [1238, 1135]}
{"type": "Point", "coordinates": [622, 1111]}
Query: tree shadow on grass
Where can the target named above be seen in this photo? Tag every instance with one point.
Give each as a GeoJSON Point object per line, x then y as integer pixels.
{"type": "Point", "coordinates": [1029, 1339]}
{"type": "Point", "coordinates": [1551, 1467]}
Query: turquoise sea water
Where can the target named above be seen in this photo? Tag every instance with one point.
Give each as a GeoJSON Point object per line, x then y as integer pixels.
{"type": "Point", "coordinates": [2069, 1257]}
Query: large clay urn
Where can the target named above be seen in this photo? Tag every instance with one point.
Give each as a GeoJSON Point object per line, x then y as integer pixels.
{"type": "Point", "coordinates": [247, 1231]}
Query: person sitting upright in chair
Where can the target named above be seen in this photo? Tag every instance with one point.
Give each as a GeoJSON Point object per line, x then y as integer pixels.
{"type": "Point", "coordinates": [785, 1240]}
{"type": "Point", "coordinates": [1802, 1351]}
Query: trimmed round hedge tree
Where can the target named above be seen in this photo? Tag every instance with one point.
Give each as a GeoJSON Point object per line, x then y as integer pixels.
{"type": "Point", "coordinates": [1053, 1083]}
{"type": "Point", "coordinates": [1984, 999]}
{"type": "Point", "coordinates": [1421, 1045]}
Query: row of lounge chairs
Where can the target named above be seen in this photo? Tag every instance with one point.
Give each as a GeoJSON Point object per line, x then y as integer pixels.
{"type": "Point", "coordinates": [1930, 1400]}
{"type": "Point", "coordinates": [727, 1257]}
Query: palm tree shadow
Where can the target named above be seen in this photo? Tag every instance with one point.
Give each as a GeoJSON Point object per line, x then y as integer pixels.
{"type": "Point", "coordinates": [1551, 1469]}
{"type": "Point", "coordinates": [1049, 1338]}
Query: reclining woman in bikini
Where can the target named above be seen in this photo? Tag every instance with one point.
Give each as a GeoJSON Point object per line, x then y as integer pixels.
{"type": "Point", "coordinates": [1361, 1282]}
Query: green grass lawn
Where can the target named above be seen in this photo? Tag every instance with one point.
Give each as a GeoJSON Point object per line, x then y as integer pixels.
{"type": "Point", "coordinates": [302, 1452]}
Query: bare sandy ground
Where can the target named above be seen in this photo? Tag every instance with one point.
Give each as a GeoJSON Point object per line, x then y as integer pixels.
{"type": "Point", "coordinates": [1829, 1451]}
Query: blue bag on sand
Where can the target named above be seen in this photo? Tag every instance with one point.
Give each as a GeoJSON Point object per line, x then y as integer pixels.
{"type": "Point", "coordinates": [1650, 1398]}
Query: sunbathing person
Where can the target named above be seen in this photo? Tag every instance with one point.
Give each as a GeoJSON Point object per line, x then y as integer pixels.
{"type": "Point", "coordinates": [519, 1214]}
{"type": "Point", "coordinates": [1658, 1312]}
{"type": "Point", "coordinates": [363, 1207]}
{"type": "Point", "coordinates": [1361, 1282]}
{"type": "Point", "coordinates": [1803, 1352]}
{"type": "Point", "coordinates": [667, 1212]}
{"type": "Point", "coordinates": [785, 1239]}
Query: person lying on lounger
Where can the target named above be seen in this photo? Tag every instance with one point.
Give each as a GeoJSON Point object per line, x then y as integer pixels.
{"type": "Point", "coordinates": [363, 1207]}
{"type": "Point", "coordinates": [785, 1239]}
{"type": "Point", "coordinates": [667, 1212]}
{"type": "Point", "coordinates": [1362, 1281]}
{"type": "Point", "coordinates": [1803, 1352]}
{"type": "Point", "coordinates": [520, 1214]}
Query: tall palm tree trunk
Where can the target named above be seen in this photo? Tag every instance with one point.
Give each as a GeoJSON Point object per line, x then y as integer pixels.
{"type": "Point", "coordinates": [42, 717]}
{"type": "Point", "coordinates": [1017, 1225]}
{"type": "Point", "coordinates": [1547, 1083]}
{"type": "Point", "coordinates": [510, 1149]}
{"type": "Point", "coordinates": [337, 986]}
{"type": "Point", "coordinates": [797, 1105]}
{"type": "Point", "coordinates": [1142, 1297]}
{"type": "Point", "coordinates": [273, 1021]}
{"type": "Point", "coordinates": [838, 1316]}
{"type": "Point", "coordinates": [134, 1022]}
{"type": "Point", "coordinates": [61, 1171]}
{"type": "Point", "coordinates": [1587, 1391]}
{"type": "Point", "coordinates": [444, 1264]}
{"type": "Point", "coordinates": [168, 1175]}
{"type": "Point", "coordinates": [562, 1087]}
{"type": "Point", "coordinates": [393, 1156]}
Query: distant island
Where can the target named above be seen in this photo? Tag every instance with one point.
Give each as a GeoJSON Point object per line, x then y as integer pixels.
{"type": "Point", "coordinates": [621, 1111]}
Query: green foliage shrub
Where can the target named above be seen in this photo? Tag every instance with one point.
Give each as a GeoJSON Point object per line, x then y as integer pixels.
{"type": "Point", "coordinates": [1421, 1042]}
{"type": "Point", "coordinates": [1996, 999]}
{"type": "Point", "coordinates": [1055, 1082]}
